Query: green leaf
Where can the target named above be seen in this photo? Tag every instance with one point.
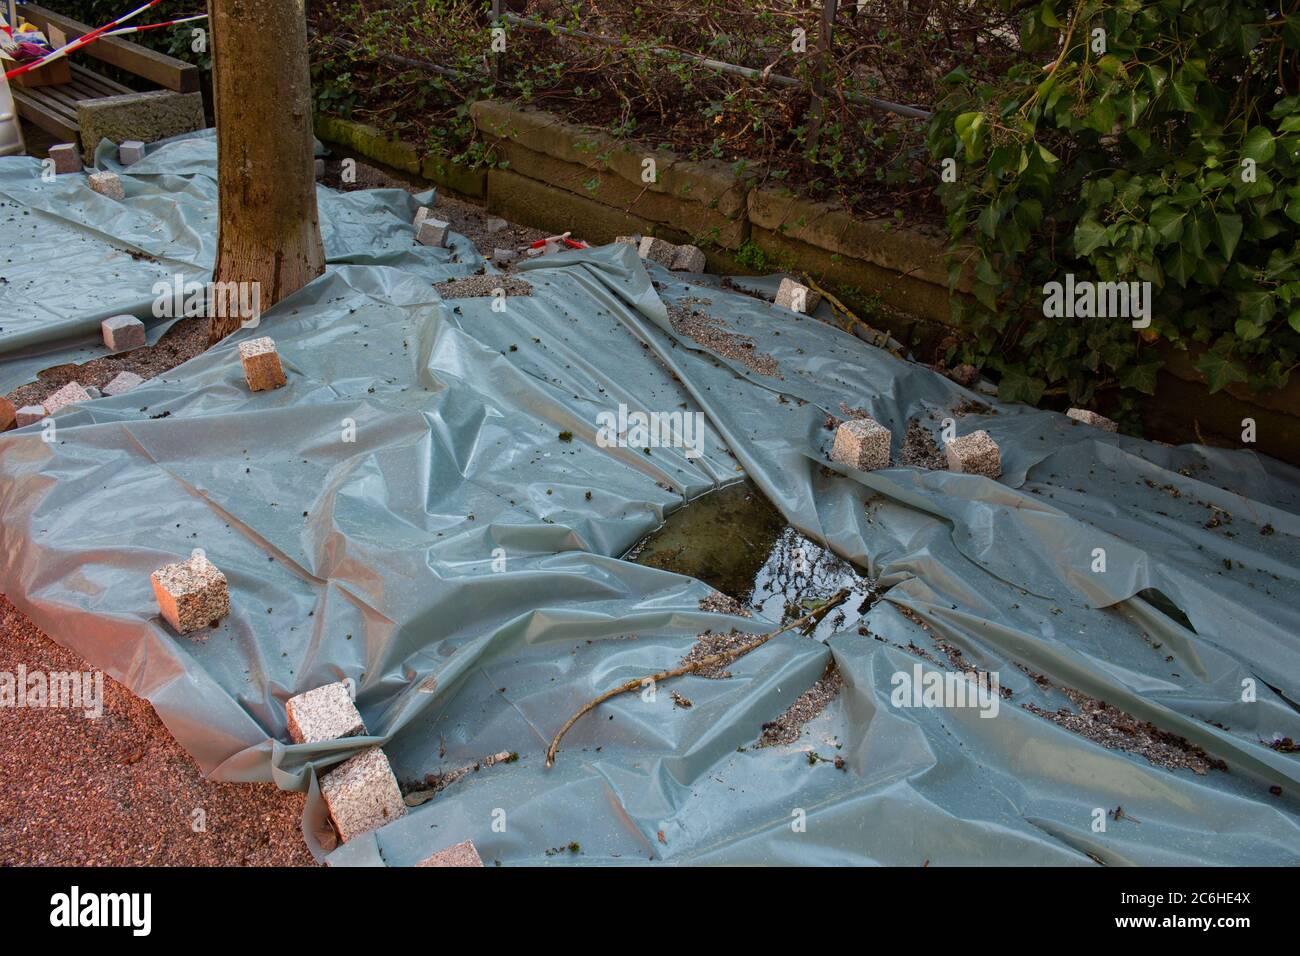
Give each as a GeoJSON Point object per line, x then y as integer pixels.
{"type": "Point", "coordinates": [1140, 377]}
{"type": "Point", "coordinates": [1089, 235]}
{"type": "Point", "coordinates": [1219, 370]}
{"type": "Point", "coordinates": [1183, 96]}
{"type": "Point", "coordinates": [1227, 232]}
{"type": "Point", "coordinates": [1259, 144]}
{"type": "Point", "coordinates": [1017, 386]}
{"type": "Point", "coordinates": [1167, 221]}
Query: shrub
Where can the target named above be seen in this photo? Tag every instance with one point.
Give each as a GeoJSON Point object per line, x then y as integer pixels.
{"type": "Point", "coordinates": [1160, 144]}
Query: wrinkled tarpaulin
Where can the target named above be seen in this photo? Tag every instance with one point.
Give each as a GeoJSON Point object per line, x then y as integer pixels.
{"type": "Point", "coordinates": [373, 559]}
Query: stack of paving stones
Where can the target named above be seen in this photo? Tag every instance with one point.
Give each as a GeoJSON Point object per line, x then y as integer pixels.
{"type": "Point", "coordinates": [191, 594]}
{"type": "Point", "coordinates": [974, 454]}
{"type": "Point", "coordinates": [862, 443]}
{"type": "Point", "coordinates": [1085, 417]}
{"type": "Point", "coordinates": [261, 362]}
{"type": "Point", "coordinates": [361, 794]}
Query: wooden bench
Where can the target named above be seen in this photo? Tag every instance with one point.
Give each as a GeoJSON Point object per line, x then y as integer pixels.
{"type": "Point", "coordinates": [54, 108]}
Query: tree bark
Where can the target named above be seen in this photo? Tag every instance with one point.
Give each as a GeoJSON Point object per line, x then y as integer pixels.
{"type": "Point", "coordinates": [261, 89]}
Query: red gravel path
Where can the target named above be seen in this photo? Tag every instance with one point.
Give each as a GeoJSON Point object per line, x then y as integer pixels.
{"type": "Point", "coordinates": [118, 790]}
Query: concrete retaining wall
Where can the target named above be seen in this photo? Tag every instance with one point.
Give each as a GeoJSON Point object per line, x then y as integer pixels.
{"type": "Point", "coordinates": [555, 176]}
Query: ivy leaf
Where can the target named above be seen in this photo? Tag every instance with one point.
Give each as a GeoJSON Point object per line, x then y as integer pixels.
{"type": "Point", "coordinates": [1227, 232]}
{"type": "Point", "coordinates": [1141, 377]}
{"type": "Point", "coordinates": [1089, 235]}
{"type": "Point", "coordinates": [1017, 386]}
{"type": "Point", "coordinates": [968, 127]}
{"type": "Point", "coordinates": [1183, 96]}
{"type": "Point", "coordinates": [1259, 145]}
{"type": "Point", "coordinates": [1257, 308]}
{"type": "Point", "coordinates": [1167, 221]}
{"type": "Point", "coordinates": [1219, 370]}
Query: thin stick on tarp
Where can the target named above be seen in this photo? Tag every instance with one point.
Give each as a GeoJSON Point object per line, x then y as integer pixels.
{"type": "Point", "coordinates": [713, 660]}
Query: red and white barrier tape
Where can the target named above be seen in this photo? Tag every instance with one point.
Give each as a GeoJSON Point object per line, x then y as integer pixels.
{"type": "Point", "coordinates": [81, 41]}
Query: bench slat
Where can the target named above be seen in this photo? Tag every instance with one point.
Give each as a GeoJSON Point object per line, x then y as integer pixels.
{"type": "Point", "coordinates": [53, 122]}
{"type": "Point", "coordinates": [94, 81]}
{"type": "Point", "coordinates": [52, 103]}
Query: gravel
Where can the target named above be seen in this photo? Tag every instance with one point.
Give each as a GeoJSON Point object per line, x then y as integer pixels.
{"type": "Point", "coordinates": [1116, 730]}
{"type": "Point", "coordinates": [920, 450]}
{"type": "Point", "coordinates": [478, 287]}
{"type": "Point", "coordinates": [713, 334]}
{"type": "Point", "coordinates": [787, 728]}
{"type": "Point", "coordinates": [184, 340]}
{"type": "Point", "coordinates": [118, 790]}
{"type": "Point", "coordinates": [713, 642]}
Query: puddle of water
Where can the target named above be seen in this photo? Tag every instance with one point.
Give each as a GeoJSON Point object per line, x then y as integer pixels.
{"type": "Point", "coordinates": [735, 541]}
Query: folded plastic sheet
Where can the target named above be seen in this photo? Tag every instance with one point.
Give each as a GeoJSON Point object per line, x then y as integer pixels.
{"type": "Point", "coordinates": [86, 257]}
{"type": "Point", "coordinates": [426, 508]}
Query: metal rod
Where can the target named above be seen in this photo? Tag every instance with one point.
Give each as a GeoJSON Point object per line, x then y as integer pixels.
{"type": "Point", "coordinates": [717, 65]}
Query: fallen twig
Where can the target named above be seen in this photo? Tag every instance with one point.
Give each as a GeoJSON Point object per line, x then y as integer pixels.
{"type": "Point", "coordinates": [878, 338]}
{"type": "Point", "coordinates": [712, 660]}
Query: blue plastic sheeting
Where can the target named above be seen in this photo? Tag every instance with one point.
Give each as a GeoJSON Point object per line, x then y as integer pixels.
{"type": "Point", "coordinates": [427, 508]}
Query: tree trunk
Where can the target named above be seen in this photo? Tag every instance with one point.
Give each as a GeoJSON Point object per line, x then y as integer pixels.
{"type": "Point", "coordinates": [261, 90]}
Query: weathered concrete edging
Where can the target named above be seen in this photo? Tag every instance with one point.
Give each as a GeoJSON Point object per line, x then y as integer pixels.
{"type": "Point", "coordinates": [557, 176]}
{"type": "Point", "coordinates": [370, 142]}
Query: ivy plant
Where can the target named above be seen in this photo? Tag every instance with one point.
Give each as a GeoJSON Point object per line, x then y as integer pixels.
{"type": "Point", "coordinates": [1149, 142]}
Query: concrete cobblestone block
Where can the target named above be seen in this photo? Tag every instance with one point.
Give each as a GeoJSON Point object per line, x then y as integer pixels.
{"type": "Point", "coordinates": [122, 333]}
{"type": "Point", "coordinates": [323, 713]}
{"type": "Point", "coordinates": [69, 394]}
{"type": "Point", "coordinates": [974, 454]}
{"type": "Point", "coordinates": [361, 794]}
{"type": "Point", "coordinates": [191, 594]}
{"type": "Point", "coordinates": [122, 382]}
{"type": "Point", "coordinates": [689, 258]}
{"type": "Point", "coordinates": [67, 158]}
{"type": "Point", "coordinates": [657, 250]}
{"type": "Point", "coordinates": [261, 363]}
{"type": "Point", "coordinates": [432, 232]}
{"type": "Point", "coordinates": [862, 443]}
{"type": "Point", "coordinates": [130, 152]}
{"type": "Point", "coordinates": [108, 184]}
{"type": "Point", "coordinates": [797, 297]}
{"type": "Point", "coordinates": [461, 854]}
{"type": "Point", "coordinates": [28, 415]}
{"type": "Point", "coordinates": [1085, 417]}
